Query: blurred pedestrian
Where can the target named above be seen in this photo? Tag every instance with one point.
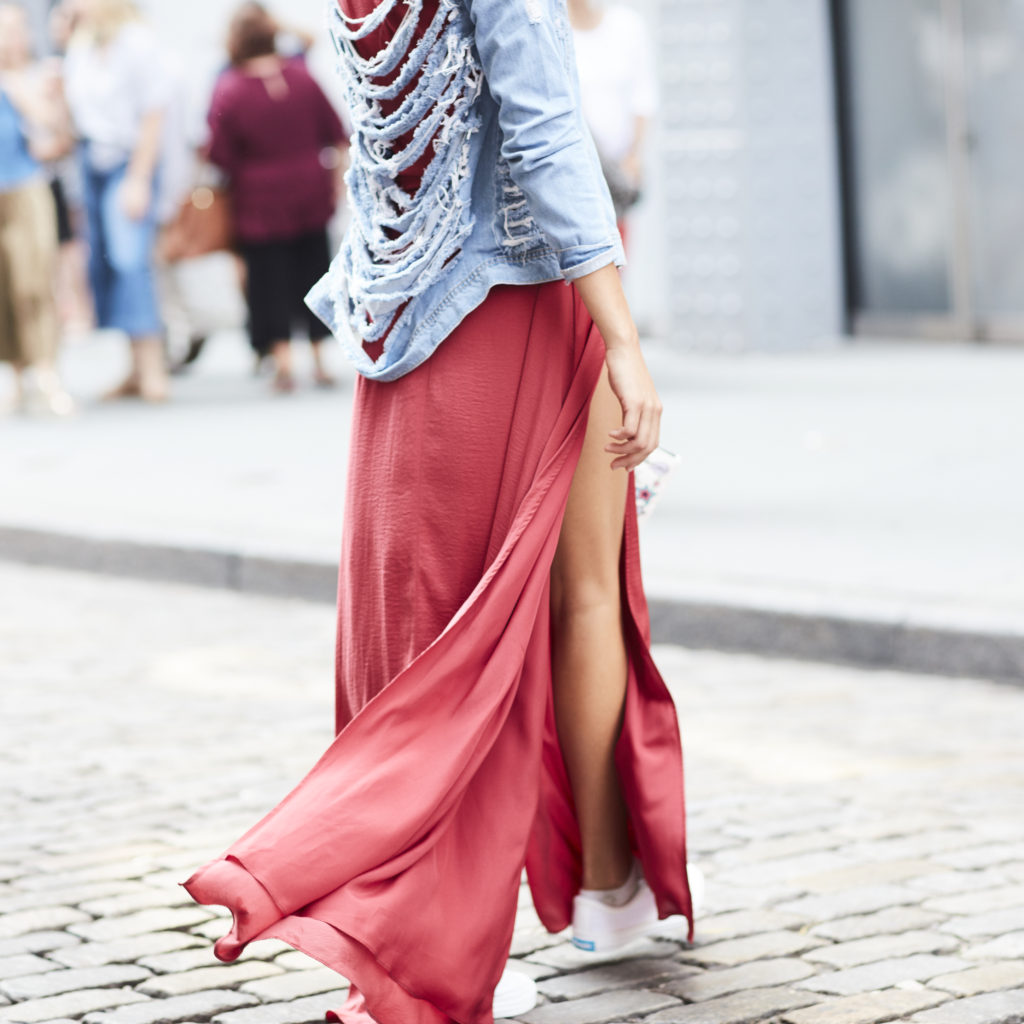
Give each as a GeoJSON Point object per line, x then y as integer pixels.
{"type": "Point", "coordinates": [118, 94]}
{"type": "Point", "coordinates": [31, 130]}
{"type": "Point", "coordinates": [281, 144]}
{"type": "Point", "coordinates": [619, 91]}
{"type": "Point", "coordinates": [74, 301]}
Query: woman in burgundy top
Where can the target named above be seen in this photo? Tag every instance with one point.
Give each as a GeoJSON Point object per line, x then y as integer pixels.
{"type": "Point", "coordinates": [277, 137]}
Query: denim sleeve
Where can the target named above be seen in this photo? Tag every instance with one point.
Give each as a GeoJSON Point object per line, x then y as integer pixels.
{"type": "Point", "coordinates": [527, 66]}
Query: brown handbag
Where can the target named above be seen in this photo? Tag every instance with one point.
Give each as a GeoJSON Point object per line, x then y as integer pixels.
{"type": "Point", "coordinates": [204, 224]}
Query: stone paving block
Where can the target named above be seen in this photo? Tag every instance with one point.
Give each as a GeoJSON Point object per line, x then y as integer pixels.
{"type": "Point", "coordinates": [769, 872]}
{"type": "Point", "coordinates": [141, 923]}
{"type": "Point", "coordinates": [183, 960]}
{"type": "Point", "coordinates": [739, 923]}
{"type": "Point", "coordinates": [871, 874]}
{"type": "Point", "coordinates": [767, 945]}
{"type": "Point", "coordinates": [532, 940]}
{"type": "Point", "coordinates": [777, 821]}
{"type": "Point", "coordinates": [983, 856]}
{"type": "Point", "coordinates": [269, 949]}
{"type": "Point", "coordinates": [144, 899]}
{"type": "Point", "coordinates": [70, 1004]}
{"type": "Point", "coordinates": [772, 849]}
{"type": "Point", "coordinates": [39, 919]}
{"type": "Point", "coordinates": [115, 871]}
{"type": "Point", "coordinates": [739, 1008]}
{"type": "Point", "coordinates": [295, 984]}
{"type": "Point", "coordinates": [70, 896]}
{"type": "Point", "coordinates": [637, 973]}
{"type": "Point", "coordinates": [25, 963]}
{"type": "Point", "coordinates": [612, 1006]}
{"type": "Point", "coordinates": [299, 1011]}
{"type": "Point", "coordinates": [950, 883]}
{"type": "Point", "coordinates": [296, 960]}
{"type": "Point", "coordinates": [995, 922]}
{"type": "Point", "coordinates": [199, 957]}
{"type": "Point", "coordinates": [195, 1006]}
{"type": "Point", "coordinates": [992, 1008]}
{"type": "Point", "coordinates": [882, 947]}
{"type": "Point", "coordinates": [892, 827]}
{"type": "Point", "coordinates": [213, 929]}
{"type": "Point", "coordinates": [847, 902]}
{"type": "Point", "coordinates": [226, 976]}
{"type": "Point", "coordinates": [39, 986]}
{"type": "Point", "coordinates": [883, 974]}
{"type": "Point", "coordinates": [536, 971]}
{"type": "Point", "coordinates": [94, 954]}
{"type": "Point", "coordinates": [866, 1008]}
{"type": "Point", "coordinates": [1003, 897]}
{"type": "Point", "coordinates": [106, 853]}
{"type": "Point", "coordinates": [883, 922]}
{"type": "Point", "coordinates": [932, 843]}
{"type": "Point", "coordinates": [987, 978]}
{"type": "Point", "coordinates": [567, 957]}
{"type": "Point", "coordinates": [1009, 947]}
{"type": "Point", "coordinates": [1015, 872]}
{"type": "Point", "coordinates": [758, 974]}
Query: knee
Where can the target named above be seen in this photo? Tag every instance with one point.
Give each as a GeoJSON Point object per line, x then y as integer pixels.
{"type": "Point", "coordinates": [586, 596]}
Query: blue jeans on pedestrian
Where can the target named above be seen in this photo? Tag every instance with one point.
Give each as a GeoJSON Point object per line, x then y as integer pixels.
{"type": "Point", "coordinates": [120, 255]}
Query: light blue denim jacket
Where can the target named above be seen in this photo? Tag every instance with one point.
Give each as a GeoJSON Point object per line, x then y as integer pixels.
{"type": "Point", "coordinates": [512, 195]}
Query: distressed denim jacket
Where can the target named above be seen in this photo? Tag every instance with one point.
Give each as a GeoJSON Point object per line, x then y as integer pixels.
{"type": "Point", "coordinates": [512, 193]}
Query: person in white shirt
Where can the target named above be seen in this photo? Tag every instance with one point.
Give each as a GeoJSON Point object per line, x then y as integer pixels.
{"type": "Point", "coordinates": [619, 89]}
{"type": "Point", "coordinates": [118, 96]}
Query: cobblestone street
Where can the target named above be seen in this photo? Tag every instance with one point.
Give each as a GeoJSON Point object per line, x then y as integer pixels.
{"type": "Point", "coordinates": [862, 833]}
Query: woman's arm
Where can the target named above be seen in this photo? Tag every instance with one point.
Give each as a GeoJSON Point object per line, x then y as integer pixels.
{"type": "Point", "coordinates": [137, 188]}
{"type": "Point", "coordinates": [552, 161]}
{"type": "Point", "coordinates": [522, 47]}
{"type": "Point", "coordinates": [628, 375]}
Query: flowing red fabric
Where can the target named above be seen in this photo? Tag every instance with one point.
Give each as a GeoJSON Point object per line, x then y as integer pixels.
{"type": "Point", "coordinates": [397, 860]}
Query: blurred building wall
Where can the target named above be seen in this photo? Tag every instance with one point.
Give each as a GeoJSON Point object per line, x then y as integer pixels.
{"type": "Point", "coordinates": [749, 199]}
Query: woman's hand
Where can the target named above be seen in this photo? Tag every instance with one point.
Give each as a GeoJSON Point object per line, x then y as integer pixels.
{"type": "Point", "coordinates": [136, 195]}
{"type": "Point", "coordinates": [641, 408]}
{"type": "Point", "coordinates": [631, 382]}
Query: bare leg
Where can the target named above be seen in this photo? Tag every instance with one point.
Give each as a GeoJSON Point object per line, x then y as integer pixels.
{"type": "Point", "coordinates": [589, 651]}
{"type": "Point", "coordinates": [151, 365]}
{"type": "Point", "coordinates": [320, 374]}
{"type": "Point", "coordinates": [284, 380]}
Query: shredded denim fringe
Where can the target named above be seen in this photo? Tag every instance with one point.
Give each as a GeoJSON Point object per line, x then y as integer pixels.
{"type": "Point", "coordinates": [397, 245]}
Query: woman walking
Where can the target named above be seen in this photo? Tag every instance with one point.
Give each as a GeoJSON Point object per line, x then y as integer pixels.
{"type": "Point", "coordinates": [497, 705]}
{"type": "Point", "coordinates": [31, 130]}
{"type": "Point", "coordinates": [117, 94]}
{"type": "Point", "coordinates": [276, 136]}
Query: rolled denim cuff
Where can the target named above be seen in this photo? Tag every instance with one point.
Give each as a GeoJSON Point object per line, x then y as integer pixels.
{"type": "Point", "coordinates": [586, 259]}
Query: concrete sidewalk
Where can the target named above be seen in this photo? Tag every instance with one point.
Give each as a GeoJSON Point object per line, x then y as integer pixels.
{"type": "Point", "coordinates": [862, 502]}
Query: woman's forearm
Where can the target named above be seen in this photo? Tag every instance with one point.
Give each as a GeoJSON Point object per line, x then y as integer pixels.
{"type": "Point", "coordinates": [603, 295]}
{"type": "Point", "coordinates": [142, 165]}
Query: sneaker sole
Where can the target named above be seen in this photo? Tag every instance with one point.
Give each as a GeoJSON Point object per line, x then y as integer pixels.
{"type": "Point", "coordinates": [615, 941]}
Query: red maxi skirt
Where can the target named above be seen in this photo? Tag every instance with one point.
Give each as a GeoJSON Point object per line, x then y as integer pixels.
{"type": "Point", "coordinates": [397, 859]}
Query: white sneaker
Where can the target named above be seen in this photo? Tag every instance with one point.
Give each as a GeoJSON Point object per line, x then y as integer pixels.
{"type": "Point", "coordinates": [598, 927]}
{"type": "Point", "coordinates": [515, 994]}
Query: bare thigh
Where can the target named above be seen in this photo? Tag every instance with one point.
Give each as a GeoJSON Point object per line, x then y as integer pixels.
{"type": "Point", "coordinates": [586, 565]}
